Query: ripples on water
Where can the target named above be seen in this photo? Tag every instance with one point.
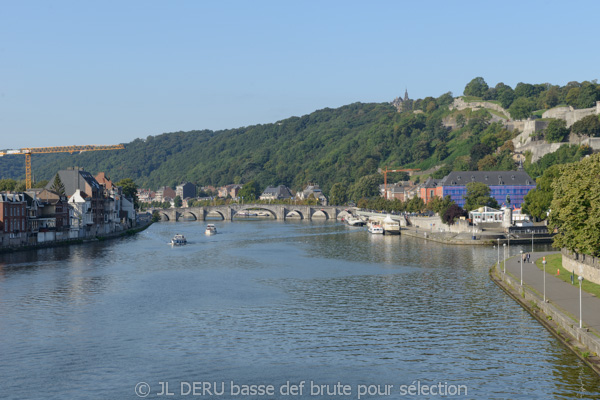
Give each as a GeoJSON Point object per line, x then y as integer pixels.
{"type": "Point", "coordinates": [266, 302]}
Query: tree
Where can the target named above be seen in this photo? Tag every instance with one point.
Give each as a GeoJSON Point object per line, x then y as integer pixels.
{"type": "Point", "coordinates": [556, 131]}
{"type": "Point", "coordinates": [587, 126]}
{"type": "Point", "coordinates": [58, 186]}
{"type": "Point", "coordinates": [537, 201]}
{"type": "Point", "coordinates": [250, 191]}
{"type": "Point", "coordinates": [367, 186]}
{"type": "Point", "coordinates": [177, 202]}
{"type": "Point", "coordinates": [575, 207]}
{"type": "Point", "coordinates": [439, 205]}
{"type": "Point", "coordinates": [588, 95]}
{"type": "Point", "coordinates": [505, 95]}
{"type": "Point", "coordinates": [416, 204]}
{"type": "Point", "coordinates": [155, 216]}
{"type": "Point", "coordinates": [477, 87]}
{"type": "Point", "coordinates": [479, 151]}
{"type": "Point", "coordinates": [478, 195]}
{"type": "Point", "coordinates": [338, 194]}
{"type": "Point", "coordinates": [453, 212]}
{"type": "Point", "coordinates": [129, 189]}
{"type": "Point", "coordinates": [521, 108]}
{"type": "Point", "coordinates": [7, 185]}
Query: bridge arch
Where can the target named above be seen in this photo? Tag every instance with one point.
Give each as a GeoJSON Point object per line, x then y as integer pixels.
{"type": "Point", "coordinates": [164, 216]}
{"type": "Point", "coordinates": [318, 213]}
{"type": "Point", "coordinates": [254, 208]}
{"type": "Point", "coordinates": [211, 214]}
{"type": "Point", "coordinates": [187, 214]}
{"type": "Point", "coordinates": [290, 213]}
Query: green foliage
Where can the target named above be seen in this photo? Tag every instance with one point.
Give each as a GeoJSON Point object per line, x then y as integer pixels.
{"type": "Point", "coordinates": [338, 194]}
{"type": "Point", "coordinates": [155, 216]}
{"type": "Point", "coordinates": [521, 108]}
{"type": "Point", "coordinates": [129, 189]}
{"type": "Point", "coordinates": [478, 195]}
{"type": "Point", "coordinates": [575, 208]}
{"type": "Point", "coordinates": [58, 186]}
{"type": "Point", "coordinates": [587, 126]}
{"type": "Point", "coordinates": [537, 201]}
{"type": "Point", "coordinates": [439, 205]}
{"type": "Point", "coordinates": [366, 187]}
{"type": "Point", "coordinates": [477, 87]}
{"type": "Point", "coordinates": [177, 202]}
{"type": "Point", "coordinates": [250, 191]}
{"type": "Point", "coordinates": [7, 185]}
{"type": "Point", "coordinates": [556, 131]}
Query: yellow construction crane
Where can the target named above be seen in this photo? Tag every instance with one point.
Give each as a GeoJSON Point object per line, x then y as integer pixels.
{"type": "Point", "coordinates": [59, 149]}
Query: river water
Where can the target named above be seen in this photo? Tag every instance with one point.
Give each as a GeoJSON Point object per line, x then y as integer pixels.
{"type": "Point", "coordinates": [267, 303]}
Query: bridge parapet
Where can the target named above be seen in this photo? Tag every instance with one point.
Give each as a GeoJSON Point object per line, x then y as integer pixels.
{"type": "Point", "coordinates": [227, 212]}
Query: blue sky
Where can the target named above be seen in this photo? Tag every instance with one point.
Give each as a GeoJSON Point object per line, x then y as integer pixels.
{"type": "Point", "coordinates": [107, 72]}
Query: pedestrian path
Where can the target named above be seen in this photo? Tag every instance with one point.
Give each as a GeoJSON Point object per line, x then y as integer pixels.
{"type": "Point", "coordinates": [562, 294]}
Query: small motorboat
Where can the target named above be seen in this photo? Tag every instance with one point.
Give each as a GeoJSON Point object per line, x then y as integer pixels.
{"type": "Point", "coordinates": [375, 229]}
{"type": "Point", "coordinates": [178, 240]}
{"type": "Point", "coordinates": [210, 230]}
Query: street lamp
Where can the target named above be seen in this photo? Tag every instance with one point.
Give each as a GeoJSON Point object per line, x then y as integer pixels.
{"type": "Point", "coordinates": [580, 318]}
{"type": "Point", "coordinates": [544, 263]}
{"type": "Point", "coordinates": [498, 251]}
{"type": "Point", "coordinates": [521, 257]}
{"type": "Point", "coordinates": [532, 240]}
{"type": "Point", "coordinates": [504, 245]}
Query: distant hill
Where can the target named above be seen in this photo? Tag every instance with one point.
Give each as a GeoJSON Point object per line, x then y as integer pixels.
{"type": "Point", "coordinates": [326, 146]}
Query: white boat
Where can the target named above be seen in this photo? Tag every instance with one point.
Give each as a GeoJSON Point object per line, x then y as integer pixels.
{"type": "Point", "coordinates": [210, 230]}
{"type": "Point", "coordinates": [375, 229]}
{"type": "Point", "coordinates": [178, 240]}
{"type": "Point", "coordinates": [390, 226]}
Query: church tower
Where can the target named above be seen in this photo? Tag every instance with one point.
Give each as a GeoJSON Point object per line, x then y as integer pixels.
{"type": "Point", "coordinates": [405, 94]}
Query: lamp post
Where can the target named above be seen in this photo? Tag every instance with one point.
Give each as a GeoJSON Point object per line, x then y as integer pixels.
{"type": "Point", "coordinates": [532, 240]}
{"type": "Point", "coordinates": [509, 244]}
{"type": "Point", "coordinates": [580, 318]}
{"type": "Point", "coordinates": [544, 263]}
{"type": "Point", "coordinates": [504, 245]}
{"type": "Point", "coordinates": [498, 251]}
{"type": "Point", "coordinates": [521, 256]}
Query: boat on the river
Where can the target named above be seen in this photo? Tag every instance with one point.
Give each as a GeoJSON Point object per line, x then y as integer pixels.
{"type": "Point", "coordinates": [390, 226]}
{"type": "Point", "coordinates": [178, 240]}
{"type": "Point", "coordinates": [210, 230]}
{"type": "Point", "coordinates": [375, 228]}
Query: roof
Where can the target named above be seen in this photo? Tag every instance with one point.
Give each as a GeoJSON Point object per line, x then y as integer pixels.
{"type": "Point", "coordinates": [279, 191]}
{"type": "Point", "coordinates": [490, 178]}
{"type": "Point", "coordinates": [74, 179]}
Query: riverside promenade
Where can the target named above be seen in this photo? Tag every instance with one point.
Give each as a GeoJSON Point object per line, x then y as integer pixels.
{"type": "Point", "coordinates": [560, 313]}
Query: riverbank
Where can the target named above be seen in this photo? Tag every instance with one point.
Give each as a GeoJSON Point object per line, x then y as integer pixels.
{"type": "Point", "coordinates": [481, 239]}
{"type": "Point", "coordinates": [45, 245]}
{"type": "Point", "coordinates": [558, 313]}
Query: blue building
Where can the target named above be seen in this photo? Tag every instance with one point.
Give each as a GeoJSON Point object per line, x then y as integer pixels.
{"type": "Point", "coordinates": [515, 184]}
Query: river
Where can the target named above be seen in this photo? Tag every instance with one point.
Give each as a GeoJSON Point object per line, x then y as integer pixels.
{"type": "Point", "coordinates": [271, 303]}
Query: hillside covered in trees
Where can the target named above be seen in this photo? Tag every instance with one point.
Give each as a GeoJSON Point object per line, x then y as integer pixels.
{"type": "Point", "coordinates": [326, 146]}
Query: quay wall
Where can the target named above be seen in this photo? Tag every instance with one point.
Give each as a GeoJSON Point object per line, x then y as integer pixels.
{"type": "Point", "coordinates": [563, 327]}
{"type": "Point", "coordinates": [583, 265]}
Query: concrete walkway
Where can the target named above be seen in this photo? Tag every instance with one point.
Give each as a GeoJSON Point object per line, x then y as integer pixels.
{"type": "Point", "coordinates": [562, 294]}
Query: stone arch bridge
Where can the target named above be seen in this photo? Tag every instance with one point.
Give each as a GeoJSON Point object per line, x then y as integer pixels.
{"type": "Point", "coordinates": [227, 212]}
